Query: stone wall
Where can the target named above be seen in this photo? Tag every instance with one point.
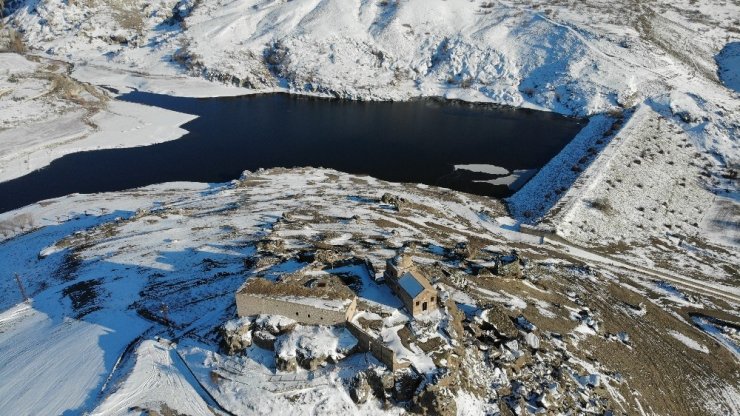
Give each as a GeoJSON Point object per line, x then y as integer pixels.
{"type": "Point", "coordinates": [376, 347]}
{"type": "Point", "coordinates": [408, 302]}
{"type": "Point", "coordinates": [249, 305]}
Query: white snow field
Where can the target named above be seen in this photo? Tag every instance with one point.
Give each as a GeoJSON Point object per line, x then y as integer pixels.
{"type": "Point", "coordinates": [51, 363]}
{"type": "Point", "coordinates": [582, 58]}
{"type": "Point", "coordinates": [158, 375]}
{"type": "Point", "coordinates": [45, 115]}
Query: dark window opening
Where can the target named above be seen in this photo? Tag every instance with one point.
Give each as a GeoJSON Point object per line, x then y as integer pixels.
{"type": "Point", "coordinates": [424, 306]}
{"type": "Point", "coordinates": [417, 303]}
{"type": "Point", "coordinates": [296, 314]}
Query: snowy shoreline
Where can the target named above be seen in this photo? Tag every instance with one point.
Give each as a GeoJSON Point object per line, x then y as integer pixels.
{"type": "Point", "coordinates": [575, 61]}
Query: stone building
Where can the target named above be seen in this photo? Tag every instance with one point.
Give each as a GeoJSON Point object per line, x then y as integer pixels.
{"type": "Point", "coordinates": [314, 305]}
{"type": "Point", "coordinates": [410, 285]}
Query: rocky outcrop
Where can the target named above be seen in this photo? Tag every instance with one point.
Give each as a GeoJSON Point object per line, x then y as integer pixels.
{"type": "Point", "coordinates": [264, 339]}
{"type": "Point", "coordinates": [407, 381]}
{"type": "Point", "coordinates": [394, 200]}
{"type": "Point", "coordinates": [493, 318]}
{"type": "Point", "coordinates": [359, 388]}
{"type": "Point", "coordinates": [310, 361]}
{"type": "Point", "coordinates": [274, 324]}
{"type": "Point", "coordinates": [236, 336]}
{"type": "Point", "coordinates": [381, 382]}
{"type": "Point", "coordinates": [437, 401]}
{"type": "Point", "coordinates": [287, 364]}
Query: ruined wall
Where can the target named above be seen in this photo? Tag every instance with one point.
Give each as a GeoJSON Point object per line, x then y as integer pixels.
{"type": "Point", "coordinates": [248, 305]}
{"type": "Point", "coordinates": [376, 347]}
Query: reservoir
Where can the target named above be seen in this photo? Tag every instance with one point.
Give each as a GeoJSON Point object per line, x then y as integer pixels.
{"type": "Point", "coordinates": [476, 148]}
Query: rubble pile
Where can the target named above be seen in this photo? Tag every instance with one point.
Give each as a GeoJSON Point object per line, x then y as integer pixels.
{"type": "Point", "coordinates": [533, 371]}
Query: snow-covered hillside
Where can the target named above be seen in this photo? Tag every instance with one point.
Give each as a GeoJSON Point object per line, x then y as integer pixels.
{"type": "Point", "coordinates": [580, 58]}
{"type": "Point", "coordinates": [583, 58]}
{"type": "Point", "coordinates": [114, 277]}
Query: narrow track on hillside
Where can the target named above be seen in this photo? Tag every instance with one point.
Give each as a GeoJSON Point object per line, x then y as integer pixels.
{"type": "Point", "coordinates": [610, 262]}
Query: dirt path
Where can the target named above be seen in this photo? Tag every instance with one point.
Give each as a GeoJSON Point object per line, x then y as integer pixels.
{"type": "Point", "coordinates": [725, 293]}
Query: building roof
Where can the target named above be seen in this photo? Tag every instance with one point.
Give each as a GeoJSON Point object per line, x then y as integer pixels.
{"type": "Point", "coordinates": [318, 303]}
{"type": "Point", "coordinates": [333, 298]}
{"type": "Point", "coordinates": [413, 283]}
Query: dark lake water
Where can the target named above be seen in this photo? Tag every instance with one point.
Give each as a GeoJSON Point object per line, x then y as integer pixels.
{"type": "Point", "coordinates": [418, 141]}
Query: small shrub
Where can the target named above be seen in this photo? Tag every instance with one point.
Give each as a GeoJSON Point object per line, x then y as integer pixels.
{"type": "Point", "coordinates": [602, 204]}
{"type": "Point", "coordinates": [216, 378]}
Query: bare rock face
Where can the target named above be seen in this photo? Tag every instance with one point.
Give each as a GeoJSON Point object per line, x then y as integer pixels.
{"type": "Point", "coordinates": [271, 245]}
{"type": "Point", "coordinates": [274, 324]}
{"type": "Point", "coordinates": [504, 409]}
{"type": "Point", "coordinates": [309, 361]}
{"type": "Point", "coordinates": [264, 339]}
{"type": "Point", "coordinates": [436, 400]}
{"type": "Point", "coordinates": [359, 388]}
{"type": "Point", "coordinates": [511, 269]}
{"type": "Point", "coordinates": [287, 364]}
{"type": "Point", "coordinates": [495, 319]}
{"type": "Point", "coordinates": [394, 200]}
{"type": "Point", "coordinates": [463, 251]}
{"type": "Point", "coordinates": [236, 336]}
{"type": "Point", "coordinates": [381, 382]}
{"type": "Point", "coordinates": [533, 341]}
{"type": "Point", "coordinates": [407, 381]}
